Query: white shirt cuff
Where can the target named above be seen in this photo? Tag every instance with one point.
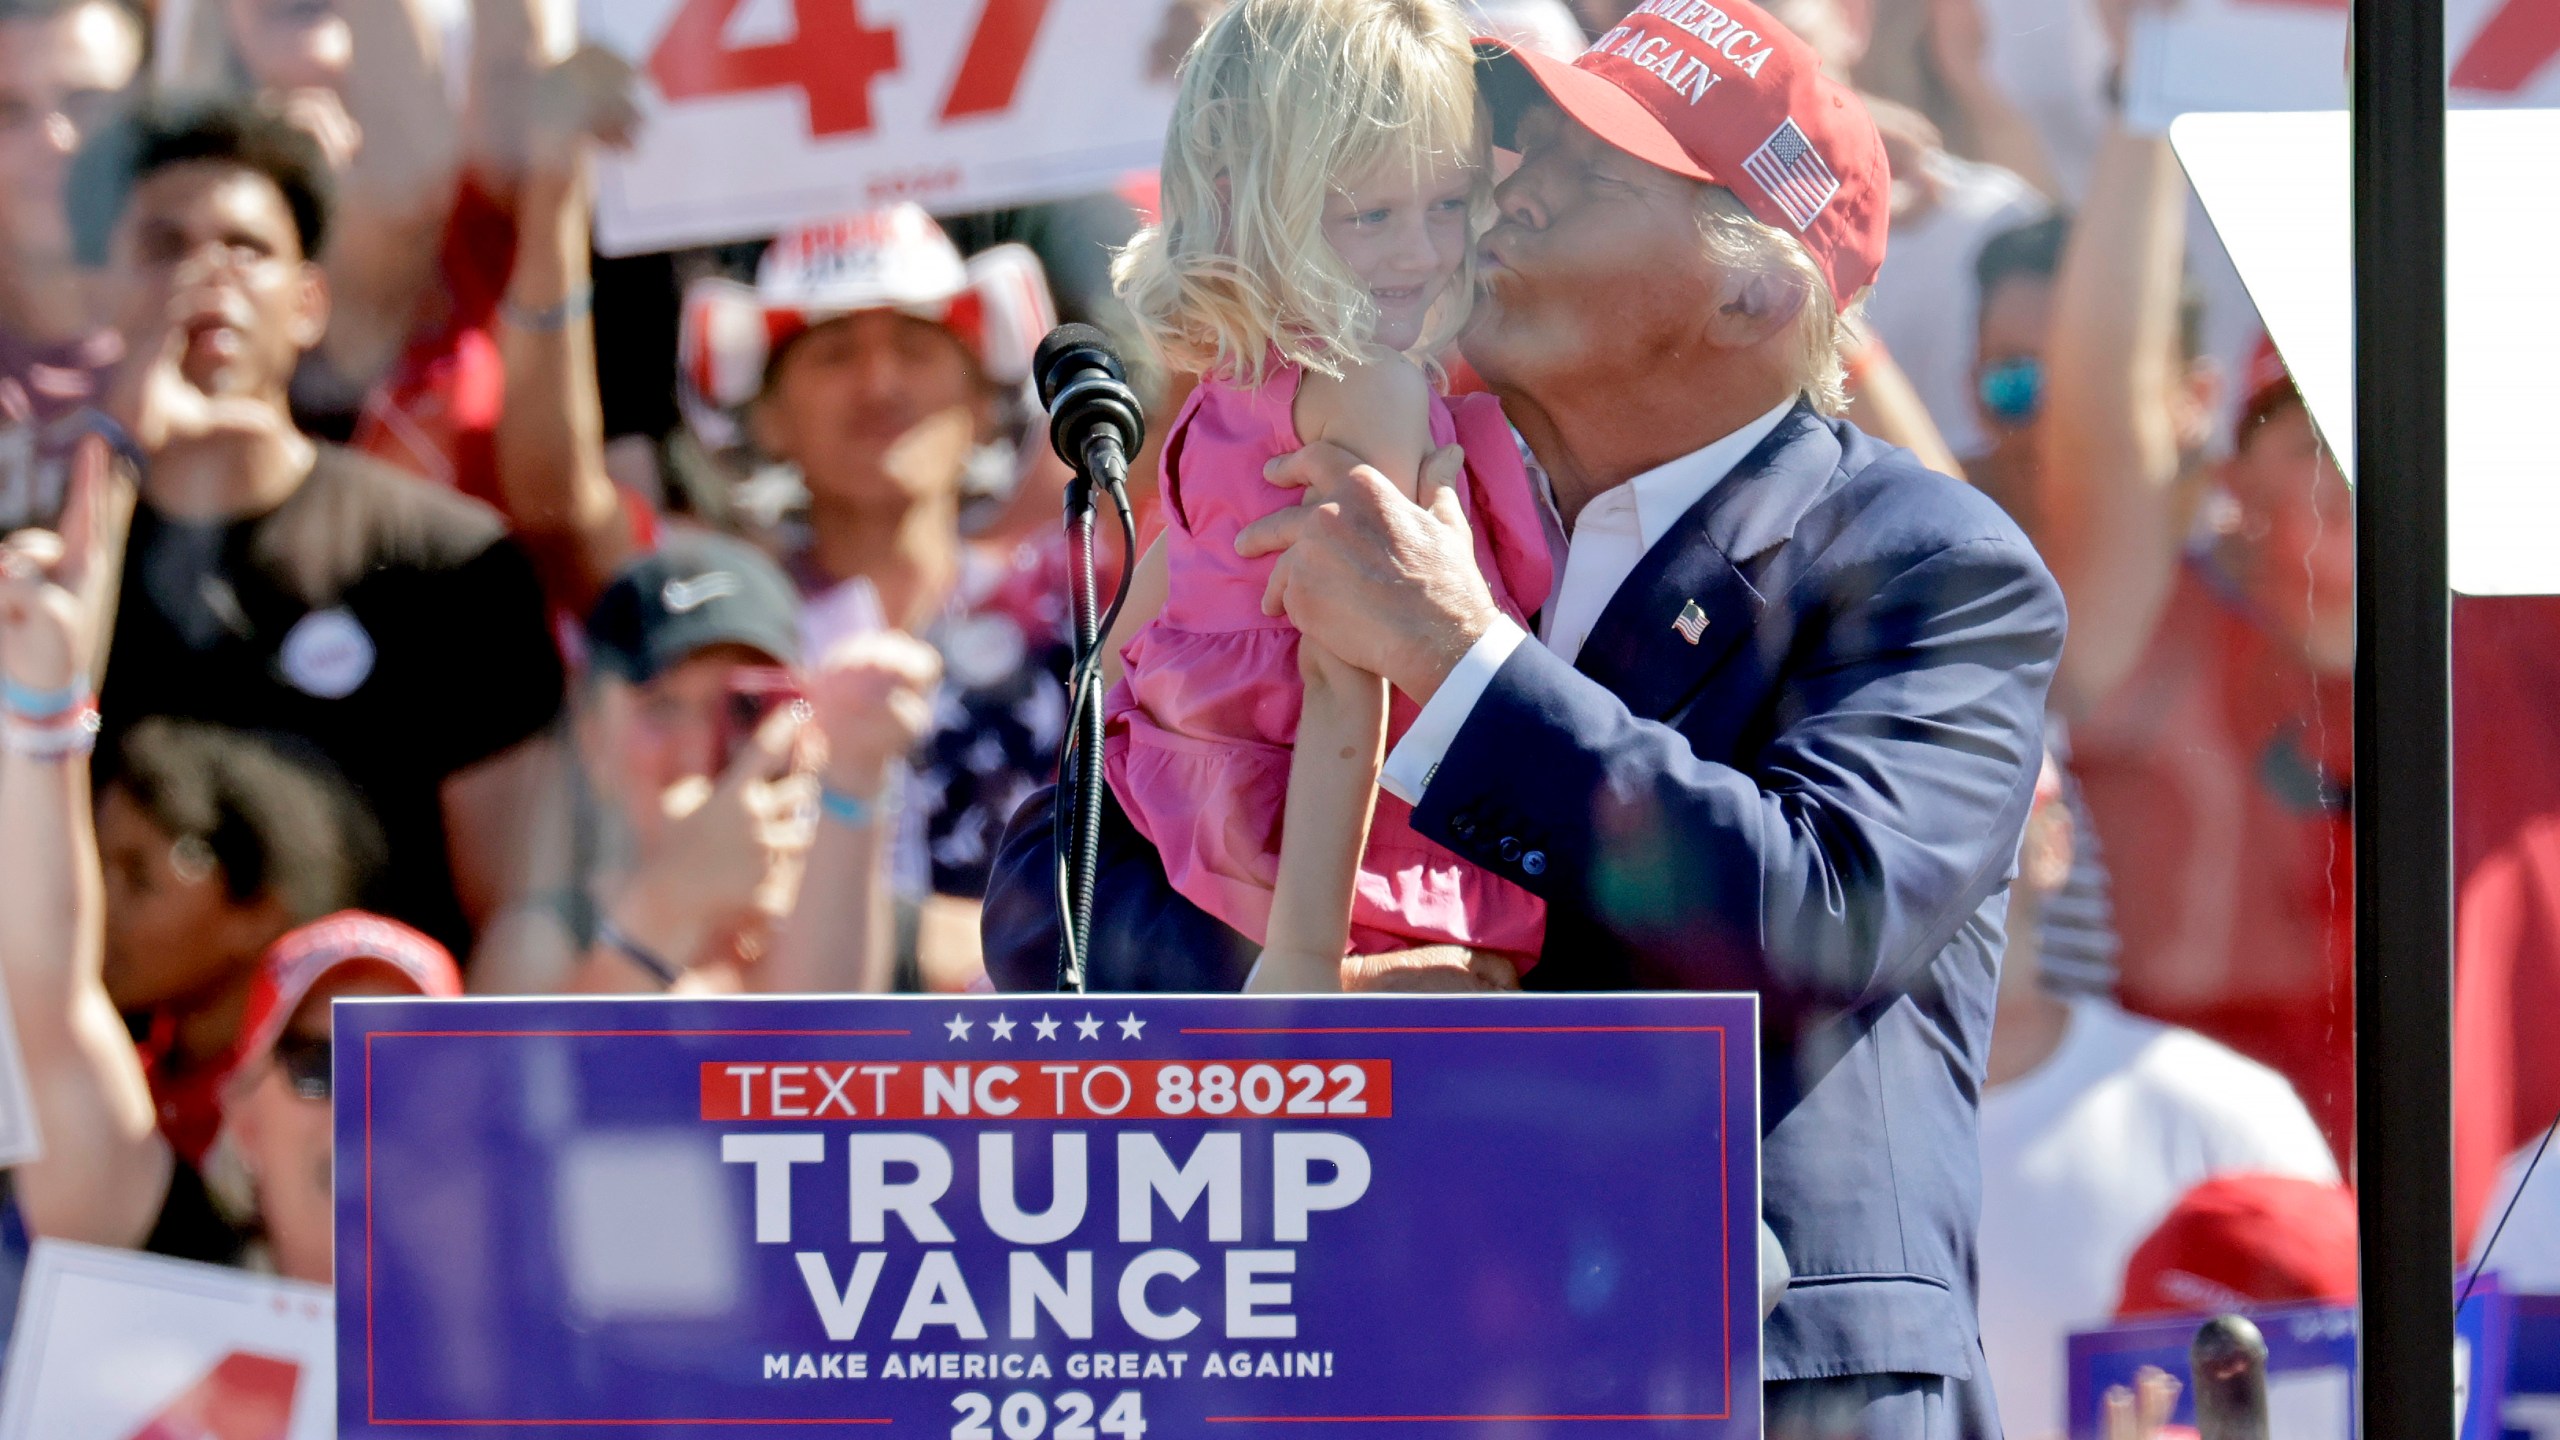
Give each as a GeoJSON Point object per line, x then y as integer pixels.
{"type": "Point", "coordinates": [1416, 757]}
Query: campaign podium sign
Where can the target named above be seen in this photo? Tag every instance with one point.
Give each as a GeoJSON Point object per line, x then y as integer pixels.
{"type": "Point", "coordinates": [1050, 1215]}
{"type": "Point", "coordinates": [2311, 1366]}
{"type": "Point", "coordinates": [2532, 1408]}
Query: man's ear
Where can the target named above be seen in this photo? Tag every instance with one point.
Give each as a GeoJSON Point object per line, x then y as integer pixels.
{"type": "Point", "coordinates": [1750, 307]}
{"type": "Point", "coordinates": [311, 306]}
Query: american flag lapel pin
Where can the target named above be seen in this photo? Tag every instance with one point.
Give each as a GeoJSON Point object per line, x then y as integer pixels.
{"type": "Point", "coordinates": [1692, 623]}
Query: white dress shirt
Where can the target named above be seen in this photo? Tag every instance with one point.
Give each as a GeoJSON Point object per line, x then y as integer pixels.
{"type": "Point", "coordinates": [1613, 532]}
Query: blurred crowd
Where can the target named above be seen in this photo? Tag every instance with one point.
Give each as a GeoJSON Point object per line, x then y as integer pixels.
{"type": "Point", "coordinates": [403, 599]}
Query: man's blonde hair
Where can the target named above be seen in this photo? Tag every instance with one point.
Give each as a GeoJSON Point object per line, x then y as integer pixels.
{"type": "Point", "coordinates": [1737, 240]}
{"type": "Point", "coordinates": [1282, 101]}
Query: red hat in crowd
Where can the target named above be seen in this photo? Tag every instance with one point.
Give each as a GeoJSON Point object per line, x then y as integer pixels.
{"type": "Point", "coordinates": [1722, 93]}
{"type": "Point", "coordinates": [349, 939]}
{"type": "Point", "coordinates": [894, 258]}
{"type": "Point", "coordinates": [2242, 1240]}
{"type": "Point", "coordinates": [2266, 383]}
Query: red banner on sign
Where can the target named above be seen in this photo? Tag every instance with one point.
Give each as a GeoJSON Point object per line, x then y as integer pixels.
{"type": "Point", "coordinates": [1046, 1090]}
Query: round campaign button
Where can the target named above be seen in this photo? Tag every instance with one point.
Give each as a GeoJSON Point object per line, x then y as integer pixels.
{"type": "Point", "coordinates": [327, 654]}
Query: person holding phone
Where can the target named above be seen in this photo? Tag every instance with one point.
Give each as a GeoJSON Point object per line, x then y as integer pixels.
{"type": "Point", "coordinates": [735, 838]}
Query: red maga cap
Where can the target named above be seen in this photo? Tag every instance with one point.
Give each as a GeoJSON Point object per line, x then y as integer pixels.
{"type": "Point", "coordinates": [2266, 383]}
{"type": "Point", "coordinates": [1722, 93]}
{"type": "Point", "coordinates": [310, 953]}
{"type": "Point", "coordinates": [2239, 1240]}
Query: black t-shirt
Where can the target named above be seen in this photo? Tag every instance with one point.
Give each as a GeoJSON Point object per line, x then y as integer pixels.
{"type": "Point", "coordinates": [388, 623]}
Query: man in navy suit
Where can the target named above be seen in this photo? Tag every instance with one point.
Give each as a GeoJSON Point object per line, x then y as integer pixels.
{"type": "Point", "coordinates": [1782, 722]}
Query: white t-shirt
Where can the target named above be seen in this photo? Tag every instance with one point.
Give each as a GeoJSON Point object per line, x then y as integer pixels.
{"type": "Point", "coordinates": [2081, 1159]}
{"type": "Point", "coordinates": [1927, 305]}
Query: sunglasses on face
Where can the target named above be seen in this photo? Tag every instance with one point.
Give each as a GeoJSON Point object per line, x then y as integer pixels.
{"type": "Point", "coordinates": [305, 1061]}
{"type": "Point", "coordinates": [2013, 390]}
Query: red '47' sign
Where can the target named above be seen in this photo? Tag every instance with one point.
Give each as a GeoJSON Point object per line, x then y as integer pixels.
{"type": "Point", "coordinates": [775, 112]}
{"type": "Point", "coordinates": [2510, 48]}
{"type": "Point", "coordinates": [833, 56]}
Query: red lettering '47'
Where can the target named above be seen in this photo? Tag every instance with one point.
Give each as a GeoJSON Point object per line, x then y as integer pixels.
{"type": "Point", "coordinates": [832, 58]}
{"type": "Point", "coordinates": [999, 48]}
{"type": "Point", "coordinates": [2508, 51]}
{"type": "Point", "coordinates": [2519, 38]}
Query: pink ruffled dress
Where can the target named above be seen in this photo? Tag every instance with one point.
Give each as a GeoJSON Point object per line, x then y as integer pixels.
{"type": "Point", "coordinates": [1199, 731]}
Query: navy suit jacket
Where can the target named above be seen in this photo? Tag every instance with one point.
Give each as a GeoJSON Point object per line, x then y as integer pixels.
{"type": "Point", "coordinates": [1819, 800]}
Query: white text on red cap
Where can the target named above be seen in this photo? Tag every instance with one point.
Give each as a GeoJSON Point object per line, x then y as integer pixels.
{"type": "Point", "coordinates": [1688, 74]}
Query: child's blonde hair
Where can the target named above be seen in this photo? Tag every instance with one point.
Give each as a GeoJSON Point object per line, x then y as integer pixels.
{"type": "Point", "coordinates": [1282, 99]}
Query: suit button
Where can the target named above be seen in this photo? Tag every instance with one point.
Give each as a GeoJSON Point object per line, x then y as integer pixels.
{"type": "Point", "coordinates": [1534, 863]}
{"type": "Point", "coordinates": [1509, 848]}
{"type": "Point", "coordinates": [1463, 826]}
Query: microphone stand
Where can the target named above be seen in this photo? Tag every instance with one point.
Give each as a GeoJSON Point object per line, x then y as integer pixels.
{"type": "Point", "coordinates": [1078, 813]}
{"type": "Point", "coordinates": [1095, 421]}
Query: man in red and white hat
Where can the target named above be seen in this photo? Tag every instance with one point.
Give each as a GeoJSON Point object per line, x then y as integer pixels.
{"type": "Point", "coordinates": [894, 260]}
{"type": "Point", "coordinates": [889, 373]}
{"type": "Point", "coordinates": [1781, 725]}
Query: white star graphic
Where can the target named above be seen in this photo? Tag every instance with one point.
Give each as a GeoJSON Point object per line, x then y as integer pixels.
{"type": "Point", "coordinates": [1088, 1028]}
{"type": "Point", "coordinates": [1000, 1027]}
{"type": "Point", "coordinates": [958, 1025]}
{"type": "Point", "coordinates": [1130, 1026]}
{"type": "Point", "coordinates": [1046, 1028]}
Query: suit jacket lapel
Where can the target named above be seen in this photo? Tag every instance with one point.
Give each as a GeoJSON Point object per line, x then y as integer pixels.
{"type": "Point", "coordinates": [1635, 648]}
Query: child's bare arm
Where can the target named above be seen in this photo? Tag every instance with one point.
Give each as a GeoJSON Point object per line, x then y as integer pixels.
{"type": "Point", "coordinates": [1380, 412]}
{"type": "Point", "coordinates": [1146, 597]}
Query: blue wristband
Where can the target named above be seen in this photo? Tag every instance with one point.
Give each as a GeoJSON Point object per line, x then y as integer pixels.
{"type": "Point", "coordinates": [40, 706]}
{"type": "Point", "coordinates": [853, 812]}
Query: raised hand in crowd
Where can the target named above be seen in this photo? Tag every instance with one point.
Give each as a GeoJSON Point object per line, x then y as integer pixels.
{"type": "Point", "coordinates": [1884, 403]}
{"type": "Point", "coordinates": [2142, 1411]}
{"type": "Point", "coordinates": [2124, 418]}
{"type": "Point", "coordinates": [210, 424]}
{"type": "Point", "coordinates": [2001, 132]}
{"type": "Point", "coordinates": [550, 432]}
{"type": "Point", "coordinates": [104, 1167]}
{"type": "Point", "coordinates": [748, 801]}
{"type": "Point", "coordinates": [365, 78]}
{"type": "Point", "coordinates": [871, 703]}
{"type": "Point", "coordinates": [723, 869]}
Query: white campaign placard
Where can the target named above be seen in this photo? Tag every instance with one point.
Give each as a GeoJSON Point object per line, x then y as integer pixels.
{"type": "Point", "coordinates": [2220, 55]}
{"type": "Point", "coordinates": [114, 1345]}
{"type": "Point", "coordinates": [764, 114]}
{"type": "Point", "coordinates": [2278, 190]}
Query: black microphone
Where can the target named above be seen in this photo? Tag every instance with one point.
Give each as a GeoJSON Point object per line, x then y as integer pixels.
{"type": "Point", "coordinates": [1086, 392]}
{"type": "Point", "coordinates": [1096, 425]}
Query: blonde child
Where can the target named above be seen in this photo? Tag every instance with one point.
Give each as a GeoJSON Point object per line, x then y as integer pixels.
{"type": "Point", "coordinates": [1324, 184]}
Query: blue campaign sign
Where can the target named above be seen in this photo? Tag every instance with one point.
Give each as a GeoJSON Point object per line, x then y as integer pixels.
{"type": "Point", "coordinates": [2532, 1410]}
{"type": "Point", "coordinates": [1050, 1216]}
{"type": "Point", "coordinates": [2311, 1366]}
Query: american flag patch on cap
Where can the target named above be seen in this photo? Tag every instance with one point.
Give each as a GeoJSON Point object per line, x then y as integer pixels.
{"type": "Point", "coordinates": [1793, 172]}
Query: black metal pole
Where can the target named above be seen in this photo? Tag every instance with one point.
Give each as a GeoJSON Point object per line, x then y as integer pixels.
{"type": "Point", "coordinates": [2403, 742]}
